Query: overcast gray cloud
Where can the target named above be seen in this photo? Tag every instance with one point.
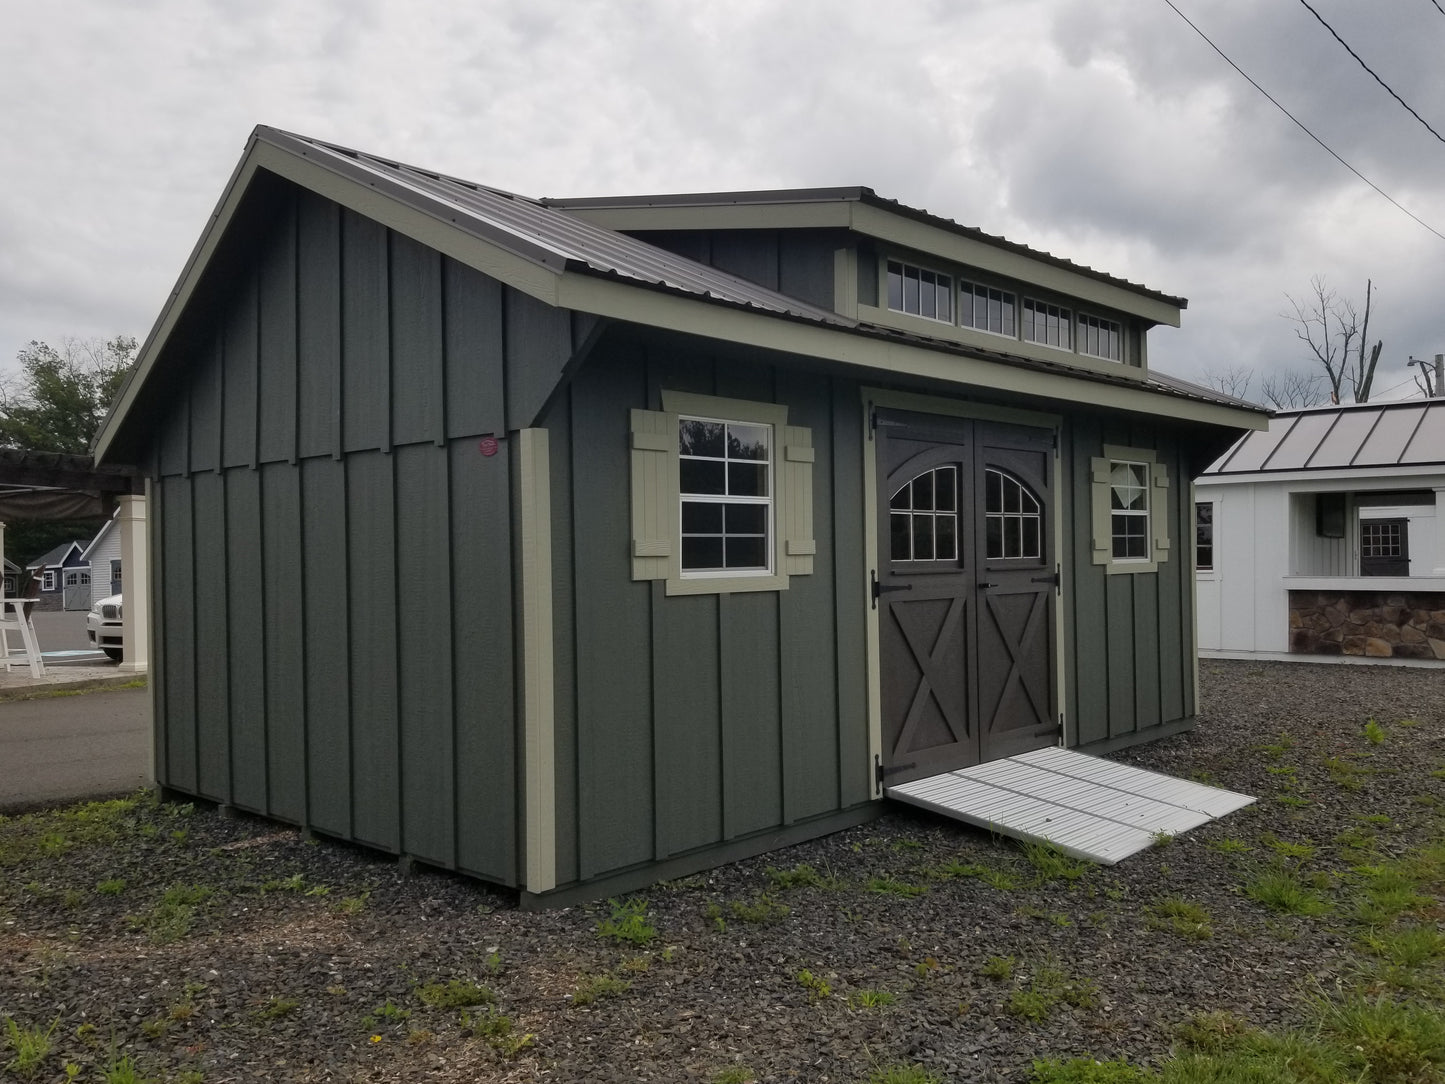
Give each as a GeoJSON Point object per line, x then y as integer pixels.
{"type": "Point", "coordinates": [1105, 131]}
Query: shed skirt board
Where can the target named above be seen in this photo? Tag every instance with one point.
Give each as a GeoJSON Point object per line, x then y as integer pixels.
{"type": "Point", "coordinates": [1087, 807]}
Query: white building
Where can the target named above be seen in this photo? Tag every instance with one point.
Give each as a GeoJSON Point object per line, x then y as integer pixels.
{"type": "Point", "coordinates": [1321, 536]}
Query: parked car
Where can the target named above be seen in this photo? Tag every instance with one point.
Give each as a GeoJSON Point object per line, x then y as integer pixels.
{"type": "Point", "coordinates": [102, 625]}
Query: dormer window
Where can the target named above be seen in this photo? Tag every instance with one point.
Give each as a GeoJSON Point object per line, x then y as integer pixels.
{"type": "Point", "coordinates": [985, 308]}
{"type": "Point", "coordinates": [1047, 324]}
{"type": "Point", "coordinates": [1100, 338]}
{"type": "Point", "coordinates": [920, 292]}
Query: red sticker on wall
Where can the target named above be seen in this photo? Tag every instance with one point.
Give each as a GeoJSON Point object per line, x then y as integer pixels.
{"type": "Point", "coordinates": [488, 445]}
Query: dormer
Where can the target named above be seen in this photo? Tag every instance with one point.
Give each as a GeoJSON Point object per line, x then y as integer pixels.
{"type": "Point", "coordinates": [897, 267]}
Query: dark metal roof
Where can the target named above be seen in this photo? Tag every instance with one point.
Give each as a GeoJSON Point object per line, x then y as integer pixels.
{"type": "Point", "coordinates": [857, 194]}
{"type": "Point", "coordinates": [1408, 433]}
{"type": "Point", "coordinates": [551, 237]}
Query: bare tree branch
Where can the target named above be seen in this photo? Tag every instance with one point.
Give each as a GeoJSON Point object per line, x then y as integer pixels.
{"type": "Point", "coordinates": [1233, 381]}
{"type": "Point", "coordinates": [1336, 335]}
{"type": "Point", "coordinates": [1293, 390]}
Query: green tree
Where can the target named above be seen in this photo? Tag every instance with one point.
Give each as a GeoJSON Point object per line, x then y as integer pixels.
{"type": "Point", "coordinates": [60, 396]}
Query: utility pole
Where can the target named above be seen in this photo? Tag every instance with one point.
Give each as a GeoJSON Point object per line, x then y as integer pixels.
{"type": "Point", "coordinates": [1432, 376]}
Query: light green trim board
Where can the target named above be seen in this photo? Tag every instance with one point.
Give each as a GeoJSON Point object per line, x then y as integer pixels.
{"type": "Point", "coordinates": [959, 408]}
{"type": "Point", "coordinates": [534, 508]}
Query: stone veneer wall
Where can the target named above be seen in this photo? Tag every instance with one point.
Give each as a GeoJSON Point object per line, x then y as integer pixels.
{"type": "Point", "coordinates": [1377, 624]}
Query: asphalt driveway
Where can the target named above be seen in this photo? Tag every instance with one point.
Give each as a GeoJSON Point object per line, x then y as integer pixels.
{"type": "Point", "coordinates": [62, 748]}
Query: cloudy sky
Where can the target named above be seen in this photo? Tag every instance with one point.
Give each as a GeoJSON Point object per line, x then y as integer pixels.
{"type": "Point", "coordinates": [1105, 131]}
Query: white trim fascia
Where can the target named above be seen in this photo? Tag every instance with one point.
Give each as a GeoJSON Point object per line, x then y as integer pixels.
{"type": "Point", "coordinates": [1334, 478]}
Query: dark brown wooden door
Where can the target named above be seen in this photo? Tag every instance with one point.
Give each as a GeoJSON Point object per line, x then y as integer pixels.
{"type": "Point", "coordinates": [965, 590]}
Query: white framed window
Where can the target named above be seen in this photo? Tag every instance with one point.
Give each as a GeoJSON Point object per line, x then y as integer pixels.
{"type": "Point", "coordinates": [1204, 536]}
{"type": "Point", "coordinates": [920, 292]}
{"type": "Point", "coordinates": [1100, 338]}
{"type": "Point", "coordinates": [725, 488]}
{"type": "Point", "coordinates": [1130, 513]}
{"type": "Point", "coordinates": [987, 308]}
{"type": "Point", "coordinates": [1046, 324]}
{"type": "Point", "coordinates": [47, 581]}
{"type": "Point", "coordinates": [721, 495]}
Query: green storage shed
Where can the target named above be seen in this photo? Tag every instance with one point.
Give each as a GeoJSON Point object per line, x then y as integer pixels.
{"type": "Point", "coordinates": [572, 544]}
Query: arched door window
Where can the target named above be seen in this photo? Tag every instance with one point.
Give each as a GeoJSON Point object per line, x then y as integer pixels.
{"type": "Point", "coordinates": [923, 517]}
{"type": "Point", "coordinates": [1013, 518]}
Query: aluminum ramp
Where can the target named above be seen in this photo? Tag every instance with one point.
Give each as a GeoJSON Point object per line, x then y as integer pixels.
{"type": "Point", "coordinates": [1087, 807]}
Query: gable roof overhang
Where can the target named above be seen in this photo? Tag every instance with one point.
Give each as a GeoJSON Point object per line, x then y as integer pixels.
{"type": "Point", "coordinates": [563, 261]}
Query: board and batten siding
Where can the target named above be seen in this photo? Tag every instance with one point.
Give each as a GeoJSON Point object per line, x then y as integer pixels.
{"type": "Point", "coordinates": [335, 559]}
{"type": "Point", "coordinates": [1129, 664]}
{"type": "Point", "coordinates": [687, 722]}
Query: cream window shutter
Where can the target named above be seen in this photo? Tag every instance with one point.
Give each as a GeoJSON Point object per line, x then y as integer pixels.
{"type": "Point", "coordinates": [654, 494]}
{"type": "Point", "coordinates": [796, 514]}
{"type": "Point", "coordinates": [1159, 509]}
{"type": "Point", "coordinates": [1102, 519]}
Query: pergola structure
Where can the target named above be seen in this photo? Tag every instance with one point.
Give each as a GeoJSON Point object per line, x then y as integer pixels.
{"type": "Point", "coordinates": [37, 485]}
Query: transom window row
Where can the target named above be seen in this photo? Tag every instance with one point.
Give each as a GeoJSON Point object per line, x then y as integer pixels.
{"type": "Point", "coordinates": [930, 294]}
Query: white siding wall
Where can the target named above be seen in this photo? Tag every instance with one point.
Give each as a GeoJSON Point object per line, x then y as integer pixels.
{"type": "Point", "coordinates": [1243, 603]}
{"type": "Point", "coordinates": [100, 559]}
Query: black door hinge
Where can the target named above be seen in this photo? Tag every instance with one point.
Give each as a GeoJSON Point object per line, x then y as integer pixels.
{"type": "Point", "coordinates": [882, 588]}
{"type": "Point", "coordinates": [881, 773]}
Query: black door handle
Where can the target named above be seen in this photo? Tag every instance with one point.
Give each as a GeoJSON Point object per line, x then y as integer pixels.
{"type": "Point", "coordinates": [982, 586]}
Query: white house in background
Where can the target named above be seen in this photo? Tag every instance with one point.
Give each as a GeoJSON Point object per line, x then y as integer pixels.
{"type": "Point", "coordinates": [103, 558]}
{"type": "Point", "coordinates": [1324, 535]}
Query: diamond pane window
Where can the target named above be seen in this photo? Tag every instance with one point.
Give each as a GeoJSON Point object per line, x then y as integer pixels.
{"type": "Point", "coordinates": [1129, 510]}
{"type": "Point", "coordinates": [923, 517]}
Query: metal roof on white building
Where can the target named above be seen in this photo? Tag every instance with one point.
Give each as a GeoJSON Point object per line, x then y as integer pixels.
{"type": "Point", "coordinates": [1410, 433]}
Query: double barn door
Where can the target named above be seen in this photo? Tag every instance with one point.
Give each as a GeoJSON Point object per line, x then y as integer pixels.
{"type": "Point", "coordinates": [965, 591]}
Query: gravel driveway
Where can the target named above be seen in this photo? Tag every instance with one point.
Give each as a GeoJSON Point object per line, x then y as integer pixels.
{"type": "Point", "coordinates": [215, 950]}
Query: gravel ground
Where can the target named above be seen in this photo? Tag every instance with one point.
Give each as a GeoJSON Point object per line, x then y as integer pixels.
{"type": "Point", "coordinates": [235, 951]}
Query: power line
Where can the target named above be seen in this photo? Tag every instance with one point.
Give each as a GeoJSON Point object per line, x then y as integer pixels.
{"type": "Point", "coordinates": [1367, 68]}
{"type": "Point", "coordinates": [1438, 7]}
{"type": "Point", "coordinates": [1300, 124]}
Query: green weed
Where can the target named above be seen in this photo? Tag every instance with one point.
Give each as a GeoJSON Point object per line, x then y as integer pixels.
{"type": "Point", "coordinates": [1386, 1039]}
{"type": "Point", "coordinates": [497, 1030]}
{"type": "Point", "coordinates": [1050, 987]}
{"type": "Point", "coordinates": [998, 968]}
{"type": "Point", "coordinates": [763, 911]}
{"type": "Point", "coordinates": [1229, 845]}
{"type": "Point", "coordinates": [278, 1007]}
{"type": "Point", "coordinates": [903, 1074]}
{"type": "Point", "coordinates": [454, 994]}
{"type": "Point", "coordinates": [1300, 852]}
{"type": "Point", "coordinates": [112, 887]}
{"type": "Point", "coordinates": [1374, 732]}
{"type": "Point", "coordinates": [31, 1046]}
{"type": "Point", "coordinates": [124, 1071]}
{"type": "Point", "coordinates": [891, 886]}
{"type": "Point", "coordinates": [1180, 916]}
{"type": "Point", "coordinates": [353, 905]}
{"type": "Point", "coordinates": [1282, 890]}
{"type": "Point", "coordinates": [1279, 748]}
{"type": "Point", "coordinates": [595, 988]}
{"type": "Point", "coordinates": [1086, 1071]}
{"type": "Point", "coordinates": [628, 922]}
{"type": "Point", "coordinates": [871, 999]}
{"type": "Point", "coordinates": [1411, 947]}
{"type": "Point", "coordinates": [801, 876]}
{"type": "Point", "coordinates": [385, 1014]}
{"type": "Point", "coordinates": [818, 988]}
{"type": "Point", "coordinates": [1050, 863]}
{"type": "Point", "coordinates": [1294, 801]}
{"type": "Point", "coordinates": [734, 1074]}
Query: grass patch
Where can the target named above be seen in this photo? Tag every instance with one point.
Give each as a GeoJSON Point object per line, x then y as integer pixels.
{"type": "Point", "coordinates": [1181, 917]}
{"type": "Point", "coordinates": [31, 1046]}
{"type": "Point", "coordinates": [1230, 845]}
{"type": "Point", "coordinates": [1411, 947]}
{"type": "Point", "coordinates": [1050, 987]}
{"type": "Point", "coordinates": [594, 988]}
{"type": "Point", "coordinates": [498, 1031]}
{"type": "Point", "coordinates": [1384, 1039]}
{"type": "Point", "coordinates": [274, 1009]}
{"type": "Point", "coordinates": [801, 876]}
{"type": "Point", "coordinates": [734, 1074]}
{"type": "Point", "coordinates": [818, 988]}
{"type": "Point", "coordinates": [762, 911]}
{"type": "Point", "coordinates": [1052, 864]}
{"type": "Point", "coordinates": [454, 994]}
{"type": "Point", "coordinates": [890, 886]}
{"type": "Point", "coordinates": [1087, 1071]}
{"type": "Point", "coordinates": [1282, 890]}
{"type": "Point", "coordinates": [1001, 879]}
{"type": "Point", "coordinates": [998, 968]}
{"type": "Point", "coordinates": [54, 832]}
{"type": "Point", "coordinates": [174, 914]}
{"type": "Point", "coordinates": [628, 922]}
{"type": "Point", "coordinates": [871, 999]}
{"type": "Point", "coordinates": [903, 1074]}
